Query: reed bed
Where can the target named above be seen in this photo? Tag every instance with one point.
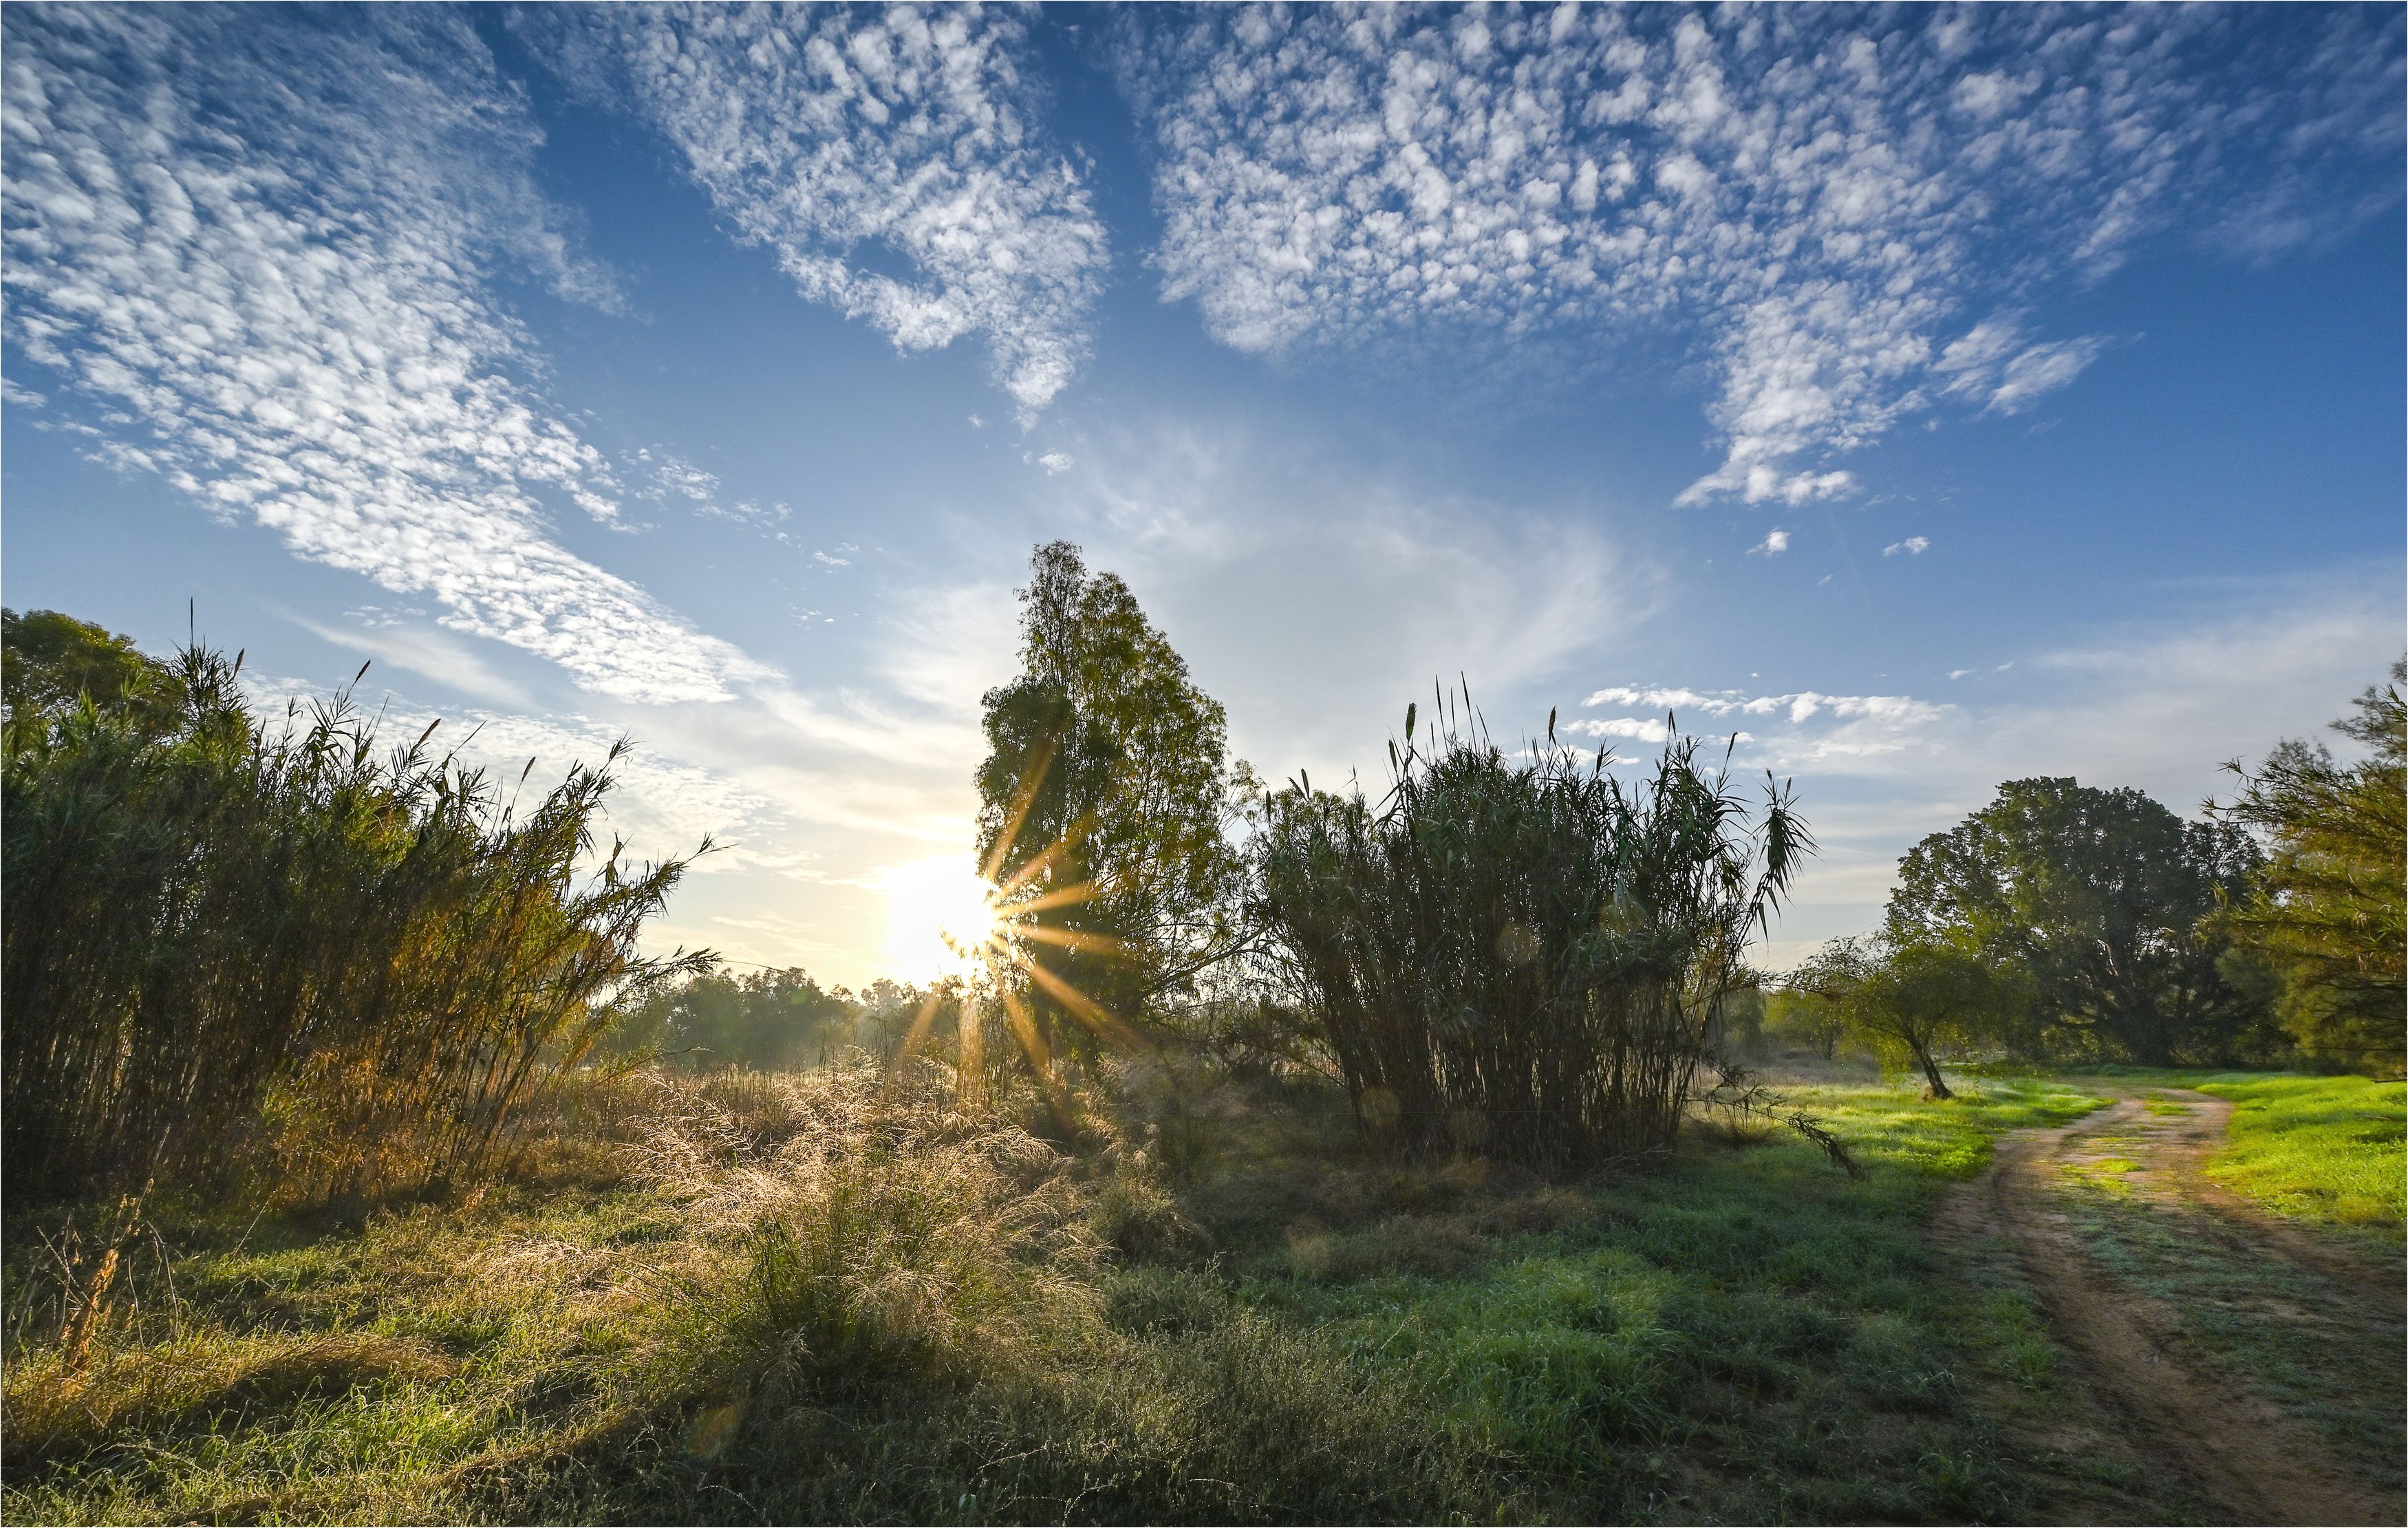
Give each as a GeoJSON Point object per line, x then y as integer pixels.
{"type": "Point", "coordinates": [1522, 959]}
{"type": "Point", "coordinates": [239, 945]}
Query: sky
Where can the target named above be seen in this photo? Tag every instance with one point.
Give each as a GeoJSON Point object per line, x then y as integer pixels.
{"type": "Point", "coordinates": [1922, 398]}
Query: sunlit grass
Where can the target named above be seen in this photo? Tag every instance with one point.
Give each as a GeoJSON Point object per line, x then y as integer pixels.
{"type": "Point", "coordinates": [2319, 1148]}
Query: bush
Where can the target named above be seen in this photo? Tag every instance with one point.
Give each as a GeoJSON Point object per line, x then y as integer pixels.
{"type": "Point", "coordinates": [219, 932]}
{"type": "Point", "coordinates": [1522, 959]}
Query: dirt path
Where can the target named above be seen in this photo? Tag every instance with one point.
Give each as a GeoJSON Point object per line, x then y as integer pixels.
{"type": "Point", "coordinates": [2246, 1456]}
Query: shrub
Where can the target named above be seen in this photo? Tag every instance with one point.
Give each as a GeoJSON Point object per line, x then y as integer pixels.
{"type": "Point", "coordinates": [1522, 958]}
{"type": "Point", "coordinates": [218, 918]}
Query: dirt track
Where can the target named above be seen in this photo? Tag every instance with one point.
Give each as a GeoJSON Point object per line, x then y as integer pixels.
{"type": "Point", "coordinates": [2245, 1455]}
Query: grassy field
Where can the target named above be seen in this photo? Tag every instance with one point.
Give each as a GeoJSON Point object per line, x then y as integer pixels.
{"type": "Point", "coordinates": [809, 1297]}
{"type": "Point", "coordinates": [2329, 1151]}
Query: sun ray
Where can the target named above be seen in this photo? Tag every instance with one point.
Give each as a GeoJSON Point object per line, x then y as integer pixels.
{"type": "Point", "coordinates": [1022, 799]}
{"type": "Point", "coordinates": [1078, 939]}
{"type": "Point", "coordinates": [1082, 1007]}
{"type": "Point", "coordinates": [1064, 896]}
{"type": "Point", "coordinates": [918, 1035]}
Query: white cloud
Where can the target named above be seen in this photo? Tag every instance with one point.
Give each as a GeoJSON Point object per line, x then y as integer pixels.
{"type": "Point", "coordinates": [1053, 462]}
{"type": "Point", "coordinates": [826, 131]}
{"type": "Point", "coordinates": [275, 299]}
{"type": "Point", "coordinates": [1913, 546]}
{"type": "Point", "coordinates": [1821, 198]}
{"type": "Point", "coordinates": [1774, 545]}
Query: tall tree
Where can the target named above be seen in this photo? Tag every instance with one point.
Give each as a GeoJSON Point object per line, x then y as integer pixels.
{"type": "Point", "coordinates": [2102, 897]}
{"type": "Point", "coordinates": [2330, 916]}
{"type": "Point", "coordinates": [1101, 806]}
{"type": "Point", "coordinates": [49, 662]}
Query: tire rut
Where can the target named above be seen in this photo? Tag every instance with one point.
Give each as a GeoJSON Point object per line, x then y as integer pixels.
{"type": "Point", "coordinates": [2254, 1463]}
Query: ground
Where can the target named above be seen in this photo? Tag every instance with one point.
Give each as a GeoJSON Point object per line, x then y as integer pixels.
{"type": "Point", "coordinates": [2104, 1298]}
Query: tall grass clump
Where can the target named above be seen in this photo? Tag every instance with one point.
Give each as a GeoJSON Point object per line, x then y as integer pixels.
{"type": "Point", "coordinates": [223, 933]}
{"type": "Point", "coordinates": [1522, 957]}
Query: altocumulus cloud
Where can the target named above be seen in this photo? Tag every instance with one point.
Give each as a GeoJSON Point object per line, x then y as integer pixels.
{"type": "Point", "coordinates": [260, 244]}
{"type": "Point", "coordinates": [1855, 206]}
{"type": "Point", "coordinates": [816, 130]}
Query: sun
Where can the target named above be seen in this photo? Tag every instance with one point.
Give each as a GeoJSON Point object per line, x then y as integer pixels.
{"type": "Point", "coordinates": [939, 918]}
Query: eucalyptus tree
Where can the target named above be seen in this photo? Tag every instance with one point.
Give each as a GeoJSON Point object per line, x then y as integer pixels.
{"type": "Point", "coordinates": [1102, 804]}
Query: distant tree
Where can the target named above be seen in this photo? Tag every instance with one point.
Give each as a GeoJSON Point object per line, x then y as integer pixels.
{"type": "Point", "coordinates": [2330, 914]}
{"type": "Point", "coordinates": [1102, 804]}
{"type": "Point", "coordinates": [1811, 1005]}
{"type": "Point", "coordinates": [49, 662]}
{"type": "Point", "coordinates": [1918, 999]}
{"type": "Point", "coordinates": [771, 1021]}
{"type": "Point", "coordinates": [2102, 898]}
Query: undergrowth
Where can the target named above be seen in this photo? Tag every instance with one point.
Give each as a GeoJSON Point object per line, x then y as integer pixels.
{"type": "Point", "coordinates": [831, 1295]}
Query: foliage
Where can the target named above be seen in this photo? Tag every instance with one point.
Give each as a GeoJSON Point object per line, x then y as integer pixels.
{"type": "Point", "coordinates": [2101, 897]}
{"type": "Point", "coordinates": [49, 662]}
{"type": "Point", "coordinates": [2330, 914]}
{"type": "Point", "coordinates": [1906, 1004]}
{"type": "Point", "coordinates": [227, 933]}
{"type": "Point", "coordinates": [1101, 804]}
{"type": "Point", "coordinates": [1523, 958]}
{"type": "Point", "coordinates": [770, 1021]}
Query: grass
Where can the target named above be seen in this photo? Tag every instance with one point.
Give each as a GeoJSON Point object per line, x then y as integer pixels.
{"type": "Point", "coordinates": [809, 1297]}
{"type": "Point", "coordinates": [2328, 1150]}
{"type": "Point", "coordinates": [2282, 1331]}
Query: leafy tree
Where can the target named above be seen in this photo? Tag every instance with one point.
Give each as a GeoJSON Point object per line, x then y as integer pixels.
{"type": "Point", "coordinates": [50, 662]}
{"type": "Point", "coordinates": [1812, 1003]}
{"type": "Point", "coordinates": [2102, 897]}
{"type": "Point", "coordinates": [1102, 800]}
{"type": "Point", "coordinates": [1916, 999]}
{"type": "Point", "coordinates": [773, 1021]}
{"type": "Point", "coordinates": [2330, 914]}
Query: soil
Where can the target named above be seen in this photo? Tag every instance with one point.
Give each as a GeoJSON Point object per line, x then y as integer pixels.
{"type": "Point", "coordinates": [2247, 1459]}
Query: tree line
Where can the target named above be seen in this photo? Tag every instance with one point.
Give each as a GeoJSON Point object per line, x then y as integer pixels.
{"type": "Point", "coordinates": [232, 934]}
{"type": "Point", "coordinates": [2066, 922]}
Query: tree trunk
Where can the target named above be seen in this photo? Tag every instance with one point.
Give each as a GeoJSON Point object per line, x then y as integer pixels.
{"type": "Point", "coordinates": [1936, 1088]}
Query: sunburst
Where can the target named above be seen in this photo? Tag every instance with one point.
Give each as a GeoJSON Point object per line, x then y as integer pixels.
{"type": "Point", "coordinates": [991, 938]}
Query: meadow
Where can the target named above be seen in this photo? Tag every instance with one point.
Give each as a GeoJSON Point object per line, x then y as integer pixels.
{"type": "Point", "coordinates": [834, 1295]}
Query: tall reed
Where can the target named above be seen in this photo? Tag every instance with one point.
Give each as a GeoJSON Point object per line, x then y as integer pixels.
{"type": "Point", "coordinates": [233, 919]}
{"type": "Point", "coordinates": [1522, 957]}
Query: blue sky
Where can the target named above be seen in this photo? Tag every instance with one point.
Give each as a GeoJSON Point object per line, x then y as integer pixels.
{"type": "Point", "coordinates": [1932, 397]}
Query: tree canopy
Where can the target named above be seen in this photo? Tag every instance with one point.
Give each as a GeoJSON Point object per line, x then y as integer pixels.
{"type": "Point", "coordinates": [2102, 897]}
{"type": "Point", "coordinates": [49, 662]}
{"type": "Point", "coordinates": [2329, 915]}
{"type": "Point", "coordinates": [1102, 800]}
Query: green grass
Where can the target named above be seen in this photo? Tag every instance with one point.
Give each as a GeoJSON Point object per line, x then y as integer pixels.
{"type": "Point", "coordinates": [816, 1308]}
{"type": "Point", "coordinates": [2329, 1151]}
{"type": "Point", "coordinates": [2284, 1331]}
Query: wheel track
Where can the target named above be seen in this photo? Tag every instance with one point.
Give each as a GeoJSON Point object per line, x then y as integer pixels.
{"type": "Point", "coordinates": [2254, 1463]}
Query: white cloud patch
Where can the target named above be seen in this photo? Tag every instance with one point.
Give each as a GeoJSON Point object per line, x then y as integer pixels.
{"type": "Point", "coordinates": [1913, 546]}
{"type": "Point", "coordinates": [259, 246]}
{"type": "Point", "coordinates": [1821, 199]}
{"type": "Point", "coordinates": [850, 139]}
{"type": "Point", "coordinates": [1808, 727]}
{"type": "Point", "coordinates": [1774, 545]}
{"type": "Point", "coordinates": [1053, 462]}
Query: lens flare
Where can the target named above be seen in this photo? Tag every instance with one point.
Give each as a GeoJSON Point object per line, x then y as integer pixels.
{"type": "Point", "coordinates": [939, 918]}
